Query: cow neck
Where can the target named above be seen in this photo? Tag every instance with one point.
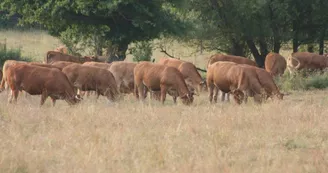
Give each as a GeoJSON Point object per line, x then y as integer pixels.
{"type": "Point", "coordinates": [181, 86]}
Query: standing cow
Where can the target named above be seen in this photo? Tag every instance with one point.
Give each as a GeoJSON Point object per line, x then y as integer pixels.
{"type": "Point", "coordinates": [58, 56]}
{"type": "Point", "coordinates": [275, 64]}
{"type": "Point", "coordinates": [156, 77]}
{"type": "Point", "coordinates": [37, 80]}
{"type": "Point", "coordinates": [306, 60]}
{"type": "Point", "coordinates": [123, 73]}
{"type": "Point", "coordinates": [88, 78]}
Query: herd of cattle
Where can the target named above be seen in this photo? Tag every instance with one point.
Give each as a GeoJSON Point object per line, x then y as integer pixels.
{"type": "Point", "coordinates": [62, 76]}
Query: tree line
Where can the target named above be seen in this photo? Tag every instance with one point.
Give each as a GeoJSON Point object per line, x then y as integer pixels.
{"type": "Point", "coordinates": [235, 27]}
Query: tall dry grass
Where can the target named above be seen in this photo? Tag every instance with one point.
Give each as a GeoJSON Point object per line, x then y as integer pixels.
{"type": "Point", "coordinates": [128, 136]}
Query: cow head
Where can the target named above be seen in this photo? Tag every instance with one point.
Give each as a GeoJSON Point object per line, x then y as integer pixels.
{"type": "Point", "coordinates": [188, 98]}
{"type": "Point", "coordinates": [89, 58]}
{"type": "Point", "coordinates": [238, 96]}
{"type": "Point", "coordinates": [203, 85]}
{"type": "Point", "coordinates": [74, 100]}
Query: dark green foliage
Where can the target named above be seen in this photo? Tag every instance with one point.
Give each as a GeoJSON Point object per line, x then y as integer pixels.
{"type": "Point", "coordinates": [11, 54]}
{"type": "Point", "coordinates": [142, 51]}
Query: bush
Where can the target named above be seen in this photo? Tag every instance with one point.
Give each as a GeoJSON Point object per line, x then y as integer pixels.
{"type": "Point", "coordinates": [299, 81]}
{"type": "Point", "coordinates": [142, 51]}
{"type": "Point", "coordinates": [11, 54]}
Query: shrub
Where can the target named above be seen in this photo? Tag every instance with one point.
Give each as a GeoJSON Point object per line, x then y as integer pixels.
{"type": "Point", "coordinates": [142, 51]}
{"type": "Point", "coordinates": [299, 81]}
{"type": "Point", "coordinates": [11, 54]}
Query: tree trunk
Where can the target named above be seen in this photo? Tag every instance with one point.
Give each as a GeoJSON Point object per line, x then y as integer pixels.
{"type": "Point", "coordinates": [295, 39]}
{"type": "Point", "coordinates": [237, 48]}
{"type": "Point", "coordinates": [310, 48]}
{"type": "Point", "coordinates": [259, 59]}
{"type": "Point", "coordinates": [321, 42]}
{"type": "Point", "coordinates": [276, 45]}
{"type": "Point", "coordinates": [119, 52]}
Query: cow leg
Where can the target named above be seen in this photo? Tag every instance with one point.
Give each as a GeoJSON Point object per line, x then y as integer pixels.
{"type": "Point", "coordinates": [210, 90]}
{"type": "Point", "coordinates": [44, 97]}
{"type": "Point", "coordinates": [141, 91]}
{"type": "Point", "coordinates": [15, 92]}
{"type": "Point", "coordinates": [53, 101]}
{"type": "Point", "coordinates": [223, 96]}
{"type": "Point", "coordinates": [163, 93]}
{"type": "Point", "coordinates": [10, 96]}
{"type": "Point", "coordinates": [228, 97]}
{"type": "Point", "coordinates": [216, 93]}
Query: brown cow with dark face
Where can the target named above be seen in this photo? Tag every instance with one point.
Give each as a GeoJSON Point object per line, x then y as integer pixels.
{"type": "Point", "coordinates": [275, 64]}
{"type": "Point", "coordinates": [156, 77]}
{"type": "Point", "coordinates": [37, 80]}
{"type": "Point", "coordinates": [88, 78]}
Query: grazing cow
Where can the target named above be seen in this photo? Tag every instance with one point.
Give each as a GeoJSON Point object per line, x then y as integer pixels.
{"type": "Point", "coordinates": [58, 56]}
{"type": "Point", "coordinates": [44, 65]}
{"type": "Point", "coordinates": [61, 64]}
{"type": "Point", "coordinates": [6, 65]}
{"type": "Point", "coordinates": [156, 77]}
{"type": "Point", "coordinates": [230, 77]}
{"type": "Point", "coordinates": [37, 80]}
{"type": "Point", "coordinates": [266, 81]}
{"type": "Point", "coordinates": [123, 73]}
{"type": "Point", "coordinates": [231, 58]}
{"type": "Point", "coordinates": [306, 60]}
{"type": "Point", "coordinates": [188, 71]}
{"type": "Point", "coordinates": [275, 64]}
{"type": "Point", "coordinates": [88, 78]}
{"type": "Point", "coordinates": [98, 64]}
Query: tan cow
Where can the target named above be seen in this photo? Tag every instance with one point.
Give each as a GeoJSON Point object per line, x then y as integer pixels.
{"type": "Point", "coordinates": [88, 78]}
{"type": "Point", "coordinates": [266, 81]}
{"type": "Point", "coordinates": [230, 77]}
{"type": "Point", "coordinates": [6, 65]}
{"type": "Point", "coordinates": [62, 64]}
{"type": "Point", "coordinates": [37, 80]}
{"type": "Point", "coordinates": [275, 64]}
{"type": "Point", "coordinates": [156, 77]}
{"type": "Point", "coordinates": [188, 71]}
{"type": "Point", "coordinates": [124, 75]}
{"type": "Point", "coordinates": [62, 49]}
{"type": "Point", "coordinates": [306, 60]}
{"type": "Point", "coordinates": [44, 65]}
{"type": "Point", "coordinates": [98, 64]}
{"type": "Point", "coordinates": [58, 56]}
{"type": "Point", "coordinates": [231, 58]}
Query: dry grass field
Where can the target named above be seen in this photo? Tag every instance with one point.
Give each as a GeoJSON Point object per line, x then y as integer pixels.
{"type": "Point", "coordinates": [129, 136]}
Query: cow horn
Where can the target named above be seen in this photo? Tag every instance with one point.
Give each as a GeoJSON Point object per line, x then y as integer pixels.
{"type": "Point", "coordinates": [78, 97]}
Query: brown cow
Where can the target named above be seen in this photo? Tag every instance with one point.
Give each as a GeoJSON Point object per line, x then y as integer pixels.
{"type": "Point", "coordinates": [44, 65]}
{"type": "Point", "coordinates": [266, 81]}
{"type": "Point", "coordinates": [37, 80]}
{"type": "Point", "coordinates": [98, 64]}
{"type": "Point", "coordinates": [160, 77]}
{"type": "Point", "coordinates": [88, 78]}
{"type": "Point", "coordinates": [6, 65]}
{"type": "Point", "coordinates": [306, 60]}
{"type": "Point", "coordinates": [124, 75]}
{"type": "Point", "coordinates": [62, 49]}
{"type": "Point", "coordinates": [189, 72]}
{"type": "Point", "coordinates": [231, 58]}
{"type": "Point", "coordinates": [275, 64]}
{"type": "Point", "coordinates": [61, 64]}
{"type": "Point", "coordinates": [230, 77]}
{"type": "Point", "coordinates": [58, 56]}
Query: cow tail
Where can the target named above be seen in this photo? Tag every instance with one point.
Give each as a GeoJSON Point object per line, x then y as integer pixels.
{"type": "Point", "coordinates": [3, 81]}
